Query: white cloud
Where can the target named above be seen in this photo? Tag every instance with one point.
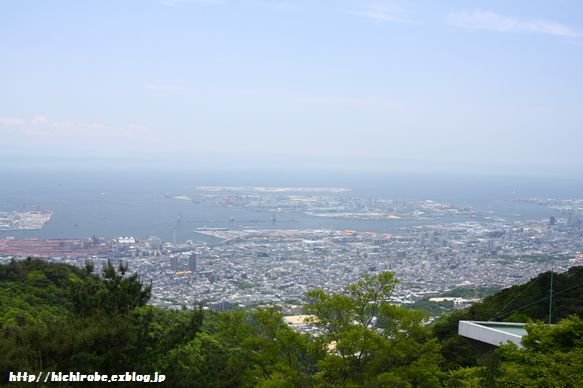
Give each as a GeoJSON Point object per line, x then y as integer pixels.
{"type": "Point", "coordinates": [378, 16]}
{"type": "Point", "coordinates": [11, 122]}
{"type": "Point", "coordinates": [39, 120]}
{"type": "Point", "coordinates": [487, 20]}
{"type": "Point", "coordinates": [381, 13]}
{"type": "Point", "coordinates": [41, 126]}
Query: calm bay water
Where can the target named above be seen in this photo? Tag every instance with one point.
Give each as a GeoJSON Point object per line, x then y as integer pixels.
{"type": "Point", "coordinates": [115, 204]}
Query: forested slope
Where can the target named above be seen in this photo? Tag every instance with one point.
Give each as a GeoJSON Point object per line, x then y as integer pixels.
{"type": "Point", "coordinates": [520, 303]}
{"type": "Point", "coordinates": [56, 317]}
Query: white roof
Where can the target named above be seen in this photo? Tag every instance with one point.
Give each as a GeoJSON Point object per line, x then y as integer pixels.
{"type": "Point", "coordinates": [493, 333]}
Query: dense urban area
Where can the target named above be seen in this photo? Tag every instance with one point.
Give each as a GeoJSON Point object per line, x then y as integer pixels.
{"type": "Point", "coordinates": [242, 266]}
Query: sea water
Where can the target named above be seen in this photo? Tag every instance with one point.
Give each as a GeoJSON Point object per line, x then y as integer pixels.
{"type": "Point", "coordinates": [112, 204]}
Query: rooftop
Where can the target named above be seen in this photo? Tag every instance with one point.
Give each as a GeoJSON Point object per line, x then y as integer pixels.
{"type": "Point", "coordinates": [493, 333]}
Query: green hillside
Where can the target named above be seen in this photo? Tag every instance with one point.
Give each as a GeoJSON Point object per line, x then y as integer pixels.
{"type": "Point", "coordinates": [520, 303]}
{"type": "Point", "coordinates": [55, 317]}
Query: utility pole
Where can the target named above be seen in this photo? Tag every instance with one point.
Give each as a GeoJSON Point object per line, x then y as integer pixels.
{"type": "Point", "coordinates": [551, 295]}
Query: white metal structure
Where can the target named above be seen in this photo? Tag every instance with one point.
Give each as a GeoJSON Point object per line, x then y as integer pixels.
{"type": "Point", "coordinates": [493, 333]}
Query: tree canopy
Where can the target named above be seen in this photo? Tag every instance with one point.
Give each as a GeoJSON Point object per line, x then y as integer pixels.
{"type": "Point", "coordinates": [60, 318]}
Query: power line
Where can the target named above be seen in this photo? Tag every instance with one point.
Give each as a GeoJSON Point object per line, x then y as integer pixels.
{"type": "Point", "coordinates": [513, 299]}
{"type": "Point", "coordinates": [537, 301]}
{"type": "Point", "coordinates": [551, 297]}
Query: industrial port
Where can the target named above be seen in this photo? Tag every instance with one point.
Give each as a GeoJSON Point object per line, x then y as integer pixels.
{"type": "Point", "coordinates": [24, 220]}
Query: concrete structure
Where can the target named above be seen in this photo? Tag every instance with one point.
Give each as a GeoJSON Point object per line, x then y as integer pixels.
{"type": "Point", "coordinates": [192, 263]}
{"type": "Point", "coordinates": [493, 333]}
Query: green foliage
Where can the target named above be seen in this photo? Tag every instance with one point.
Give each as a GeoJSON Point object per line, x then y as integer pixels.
{"type": "Point", "coordinates": [464, 292]}
{"type": "Point", "coordinates": [204, 362]}
{"type": "Point", "coordinates": [244, 285]}
{"type": "Point", "coordinates": [57, 317]}
{"type": "Point", "coordinates": [374, 342]}
{"type": "Point", "coordinates": [514, 304]}
{"type": "Point", "coordinates": [439, 308]}
{"type": "Point", "coordinates": [465, 377]}
{"type": "Point", "coordinates": [552, 356]}
{"type": "Point", "coordinates": [433, 308]}
{"type": "Point", "coordinates": [270, 348]}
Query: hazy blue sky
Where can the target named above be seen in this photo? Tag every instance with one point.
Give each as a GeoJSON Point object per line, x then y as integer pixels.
{"type": "Point", "coordinates": [467, 86]}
